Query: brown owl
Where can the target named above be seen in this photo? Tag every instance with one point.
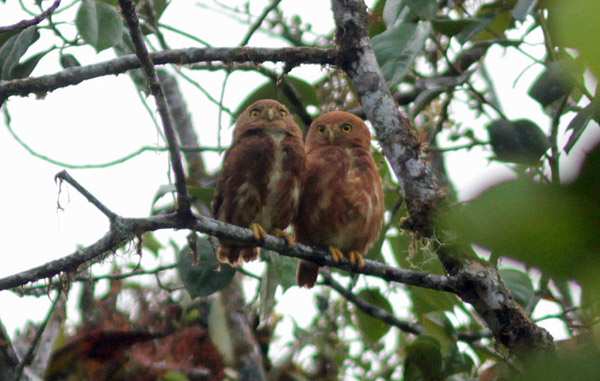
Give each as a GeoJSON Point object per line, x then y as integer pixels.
{"type": "Point", "coordinates": [342, 199]}
{"type": "Point", "coordinates": [259, 186]}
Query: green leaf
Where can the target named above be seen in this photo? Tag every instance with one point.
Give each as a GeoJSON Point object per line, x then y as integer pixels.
{"type": "Point", "coordinates": [424, 9]}
{"type": "Point", "coordinates": [371, 328]}
{"type": "Point", "coordinates": [438, 326]}
{"type": "Point", "coordinates": [423, 360]}
{"type": "Point", "coordinates": [392, 11]}
{"type": "Point", "coordinates": [172, 375]}
{"type": "Point", "coordinates": [24, 69]}
{"type": "Point", "coordinates": [494, 19]}
{"type": "Point", "coordinates": [204, 194]}
{"type": "Point", "coordinates": [208, 275]}
{"type": "Point", "coordinates": [450, 27]}
{"type": "Point", "coordinates": [519, 285]}
{"type": "Point", "coordinates": [285, 268]}
{"type": "Point", "coordinates": [574, 24]}
{"type": "Point", "coordinates": [522, 9]}
{"type": "Point", "coordinates": [425, 301]}
{"type": "Point", "coordinates": [580, 122]}
{"type": "Point", "coordinates": [68, 60]}
{"type": "Point", "coordinates": [553, 83]}
{"type": "Point", "coordinates": [544, 225]}
{"type": "Point", "coordinates": [520, 141]}
{"type": "Point", "coordinates": [162, 191]}
{"type": "Point", "coordinates": [13, 49]}
{"type": "Point", "coordinates": [457, 362]}
{"type": "Point", "coordinates": [375, 22]}
{"type": "Point", "coordinates": [397, 48]}
{"type": "Point", "coordinates": [150, 243]}
{"type": "Point", "coordinates": [99, 24]}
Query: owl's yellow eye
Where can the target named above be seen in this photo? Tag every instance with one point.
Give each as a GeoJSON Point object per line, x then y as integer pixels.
{"type": "Point", "coordinates": [283, 113]}
{"type": "Point", "coordinates": [321, 128]}
{"type": "Point", "coordinates": [346, 127]}
{"type": "Point", "coordinates": [254, 113]}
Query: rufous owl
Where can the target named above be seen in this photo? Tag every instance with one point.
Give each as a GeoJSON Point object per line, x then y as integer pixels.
{"type": "Point", "coordinates": [342, 203]}
{"type": "Point", "coordinates": [259, 185]}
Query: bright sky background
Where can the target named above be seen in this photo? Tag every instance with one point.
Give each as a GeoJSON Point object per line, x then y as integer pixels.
{"type": "Point", "coordinates": [102, 119]}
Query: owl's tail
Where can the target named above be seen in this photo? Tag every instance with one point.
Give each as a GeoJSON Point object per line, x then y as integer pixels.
{"type": "Point", "coordinates": [235, 255]}
{"type": "Point", "coordinates": [306, 276]}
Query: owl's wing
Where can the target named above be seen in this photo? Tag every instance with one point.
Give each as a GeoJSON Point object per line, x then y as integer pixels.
{"type": "Point", "coordinates": [362, 188]}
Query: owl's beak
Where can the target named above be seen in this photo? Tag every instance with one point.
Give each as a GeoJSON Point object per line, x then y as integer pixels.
{"type": "Point", "coordinates": [270, 114]}
{"type": "Point", "coordinates": [330, 135]}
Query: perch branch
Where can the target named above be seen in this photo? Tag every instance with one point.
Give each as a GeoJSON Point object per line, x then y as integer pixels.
{"type": "Point", "coordinates": [129, 228]}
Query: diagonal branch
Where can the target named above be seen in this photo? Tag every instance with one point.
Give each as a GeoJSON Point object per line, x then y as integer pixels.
{"type": "Point", "coordinates": [388, 318]}
{"type": "Point", "coordinates": [183, 201]}
{"type": "Point", "coordinates": [33, 21]}
{"type": "Point", "coordinates": [394, 131]}
{"type": "Point", "coordinates": [76, 75]}
{"type": "Point", "coordinates": [479, 284]}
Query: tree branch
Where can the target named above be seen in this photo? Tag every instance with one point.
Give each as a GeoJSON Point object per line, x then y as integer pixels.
{"type": "Point", "coordinates": [129, 228]}
{"type": "Point", "coordinates": [75, 75]}
{"type": "Point", "coordinates": [394, 132]}
{"type": "Point", "coordinates": [479, 284]}
{"type": "Point", "coordinates": [33, 21]}
{"type": "Point", "coordinates": [183, 201]}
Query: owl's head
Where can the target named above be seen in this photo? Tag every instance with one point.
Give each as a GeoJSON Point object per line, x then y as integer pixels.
{"type": "Point", "coordinates": [266, 114]}
{"type": "Point", "coordinates": [338, 128]}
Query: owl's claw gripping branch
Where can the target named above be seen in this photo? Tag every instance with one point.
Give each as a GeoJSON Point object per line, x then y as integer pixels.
{"type": "Point", "coordinates": [356, 259]}
{"type": "Point", "coordinates": [258, 231]}
{"type": "Point", "coordinates": [289, 238]}
{"type": "Point", "coordinates": [336, 254]}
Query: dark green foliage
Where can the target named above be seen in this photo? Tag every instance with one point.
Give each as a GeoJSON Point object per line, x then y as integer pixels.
{"type": "Point", "coordinates": [520, 141]}
{"type": "Point", "coordinates": [205, 275]}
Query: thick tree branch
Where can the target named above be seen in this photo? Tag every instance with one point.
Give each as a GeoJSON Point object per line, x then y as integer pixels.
{"type": "Point", "coordinates": [33, 21]}
{"type": "Point", "coordinates": [75, 75]}
{"type": "Point", "coordinates": [183, 201]}
{"type": "Point", "coordinates": [479, 284]}
{"type": "Point", "coordinates": [394, 132]}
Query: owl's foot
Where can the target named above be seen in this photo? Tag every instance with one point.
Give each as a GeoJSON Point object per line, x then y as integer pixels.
{"type": "Point", "coordinates": [336, 254]}
{"type": "Point", "coordinates": [291, 241]}
{"type": "Point", "coordinates": [356, 259]}
{"type": "Point", "coordinates": [258, 232]}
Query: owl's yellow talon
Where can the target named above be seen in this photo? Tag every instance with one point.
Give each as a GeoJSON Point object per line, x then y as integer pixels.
{"type": "Point", "coordinates": [291, 241]}
{"type": "Point", "coordinates": [258, 232]}
{"type": "Point", "coordinates": [356, 259]}
{"type": "Point", "coordinates": [336, 254]}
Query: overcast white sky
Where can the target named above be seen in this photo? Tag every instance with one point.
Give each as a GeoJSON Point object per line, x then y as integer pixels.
{"type": "Point", "coordinates": [103, 119]}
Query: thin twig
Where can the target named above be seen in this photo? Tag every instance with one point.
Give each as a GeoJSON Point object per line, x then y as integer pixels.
{"type": "Point", "coordinates": [34, 21]}
{"type": "Point", "coordinates": [64, 175]}
{"type": "Point", "coordinates": [106, 164]}
{"type": "Point", "coordinates": [254, 27]}
{"type": "Point", "coordinates": [38, 335]}
{"type": "Point", "coordinates": [370, 309]}
{"type": "Point", "coordinates": [130, 15]}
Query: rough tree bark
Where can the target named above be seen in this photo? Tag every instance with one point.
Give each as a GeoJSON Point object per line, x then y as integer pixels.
{"type": "Point", "coordinates": [479, 284]}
